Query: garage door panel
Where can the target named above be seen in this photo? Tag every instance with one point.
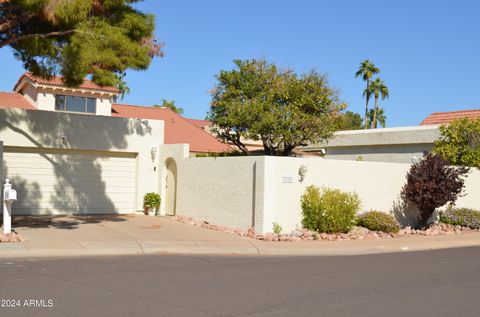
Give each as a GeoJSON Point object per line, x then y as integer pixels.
{"type": "Point", "coordinates": [72, 183]}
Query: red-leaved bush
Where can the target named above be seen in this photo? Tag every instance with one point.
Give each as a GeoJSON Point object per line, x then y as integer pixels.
{"type": "Point", "coordinates": [431, 183]}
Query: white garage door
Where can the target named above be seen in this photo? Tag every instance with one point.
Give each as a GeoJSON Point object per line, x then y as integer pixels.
{"type": "Point", "coordinates": [71, 181]}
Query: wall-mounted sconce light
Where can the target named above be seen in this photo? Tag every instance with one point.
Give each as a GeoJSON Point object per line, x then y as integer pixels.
{"type": "Point", "coordinates": [302, 171]}
{"type": "Point", "coordinates": [153, 153]}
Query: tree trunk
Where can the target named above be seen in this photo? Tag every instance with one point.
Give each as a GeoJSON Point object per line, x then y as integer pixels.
{"type": "Point", "coordinates": [374, 121]}
{"type": "Point", "coordinates": [366, 105]}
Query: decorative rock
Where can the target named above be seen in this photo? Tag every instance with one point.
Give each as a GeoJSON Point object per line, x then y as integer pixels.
{"type": "Point", "coordinates": [357, 233]}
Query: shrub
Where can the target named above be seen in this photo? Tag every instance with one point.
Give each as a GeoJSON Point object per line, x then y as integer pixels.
{"type": "Point", "coordinates": [461, 217]}
{"type": "Point", "coordinates": [151, 200]}
{"type": "Point", "coordinates": [431, 183]}
{"type": "Point", "coordinates": [329, 210]}
{"type": "Point", "coordinates": [378, 221]}
{"type": "Point", "coordinates": [460, 142]}
{"type": "Point", "coordinates": [277, 229]}
{"type": "Point", "coordinates": [220, 154]}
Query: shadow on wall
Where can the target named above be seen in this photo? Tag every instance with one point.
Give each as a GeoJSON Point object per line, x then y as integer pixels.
{"type": "Point", "coordinates": [69, 131]}
{"type": "Point", "coordinates": [28, 192]}
{"type": "Point", "coordinates": [70, 194]}
{"type": "Point", "coordinates": [406, 213]}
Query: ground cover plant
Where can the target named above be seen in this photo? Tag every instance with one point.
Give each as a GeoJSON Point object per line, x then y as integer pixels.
{"type": "Point", "coordinates": [461, 217]}
{"type": "Point", "coordinates": [378, 221]}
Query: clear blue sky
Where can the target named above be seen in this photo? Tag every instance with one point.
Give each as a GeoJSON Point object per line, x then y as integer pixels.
{"type": "Point", "coordinates": [428, 50]}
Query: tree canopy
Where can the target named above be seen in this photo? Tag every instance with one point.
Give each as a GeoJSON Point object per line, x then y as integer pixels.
{"type": "Point", "coordinates": [350, 121]}
{"type": "Point", "coordinates": [377, 117]}
{"type": "Point", "coordinates": [76, 38]}
{"type": "Point", "coordinates": [460, 142]}
{"type": "Point", "coordinates": [259, 101]}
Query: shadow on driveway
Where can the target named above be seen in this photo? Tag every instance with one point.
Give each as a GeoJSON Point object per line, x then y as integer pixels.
{"type": "Point", "coordinates": [63, 222]}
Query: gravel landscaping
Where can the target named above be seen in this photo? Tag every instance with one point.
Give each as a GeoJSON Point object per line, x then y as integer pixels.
{"type": "Point", "coordinates": [357, 233]}
{"type": "Point", "coordinates": [12, 237]}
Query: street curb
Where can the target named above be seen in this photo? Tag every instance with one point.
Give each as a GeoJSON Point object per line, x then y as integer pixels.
{"type": "Point", "coordinates": [249, 247]}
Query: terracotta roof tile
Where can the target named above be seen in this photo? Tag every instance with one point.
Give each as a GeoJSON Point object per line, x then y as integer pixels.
{"type": "Point", "coordinates": [14, 100]}
{"type": "Point", "coordinates": [200, 123]}
{"type": "Point", "coordinates": [447, 117]}
{"type": "Point", "coordinates": [177, 128]}
{"type": "Point", "coordinates": [58, 82]}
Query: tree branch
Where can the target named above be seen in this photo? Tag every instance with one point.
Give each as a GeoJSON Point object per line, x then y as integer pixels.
{"type": "Point", "coordinates": [7, 25]}
{"type": "Point", "coordinates": [30, 36]}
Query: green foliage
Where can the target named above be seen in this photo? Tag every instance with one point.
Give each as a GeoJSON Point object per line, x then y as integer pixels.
{"type": "Point", "coordinates": [78, 38]}
{"type": "Point", "coordinates": [378, 89]}
{"type": "Point", "coordinates": [378, 221]}
{"type": "Point", "coordinates": [373, 120]}
{"type": "Point", "coordinates": [366, 70]}
{"type": "Point", "coordinates": [329, 210]}
{"type": "Point", "coordinates": [350, 121]}
{"type": "Point", "coordinates": [277, 229]}
{"type": "Point", "coordinates": [461, 217]}
{"type": "Point", "coordinates": [221, 154]}
{"type": "Point", "coordinates": [259, 101]}
{"type": "Point", "coordinates": [460, 142]}
{"type": "Point", "coordinates": [151, 200]}
{"type": "Point", "coordinates": [431, 183]}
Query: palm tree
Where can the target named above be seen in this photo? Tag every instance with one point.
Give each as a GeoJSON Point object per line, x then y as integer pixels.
{"type": "Point", "coordinates": [377, 89]}
{"type": "Point", "coordinates": [171, 105]}
{"type": "Point", "coordinates": [367, 69]}
{"type": "Point", "coordinates": [380, 118]}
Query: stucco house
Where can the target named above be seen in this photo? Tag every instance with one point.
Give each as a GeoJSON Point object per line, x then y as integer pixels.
{"type": "Point", "coordinates": [396, 145]}
{"type": "Point", "coordinates": [74, 150]}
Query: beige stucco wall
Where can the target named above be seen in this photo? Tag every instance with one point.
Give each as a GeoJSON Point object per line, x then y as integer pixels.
{"type": "Point", "coordinates": [175, 152]}
{"type": "Point", "coordinates": [395, 153]}
{"type": "Point", "coordinates": [221, 190]}
{"type": "Point", "coordinates": [31, 94]}
{"type": "Point", "coordinates": [377, 184]}
{"type": "Point", "coordinates": [54, 130]}
{"type": "Point", "coordinates": [395, 145]}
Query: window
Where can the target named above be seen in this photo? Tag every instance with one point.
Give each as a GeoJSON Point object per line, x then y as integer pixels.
{"type": "Point", "coordinates": [75, 104]}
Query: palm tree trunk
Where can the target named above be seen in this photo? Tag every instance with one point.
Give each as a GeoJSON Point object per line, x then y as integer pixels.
{"type": "Point", "coordinates": [374, 121]}
{"type": "Point", "coordinates": [366, 105]}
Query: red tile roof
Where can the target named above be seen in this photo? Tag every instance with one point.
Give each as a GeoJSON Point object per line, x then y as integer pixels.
{"type": "Point", "coordinates": [177, 128]}
{"type": "Point", "coordinates": [447, 117]}
{"type": "Point", "coordinates": [14, 100]}
{"type": "Point", "coordinates": [200, 123]}
{"type": "Point", "coordinates": [57, 81]}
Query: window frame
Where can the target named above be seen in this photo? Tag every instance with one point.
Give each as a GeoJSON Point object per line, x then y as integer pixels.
{"type": "Point", "coordinates": [85, 99]}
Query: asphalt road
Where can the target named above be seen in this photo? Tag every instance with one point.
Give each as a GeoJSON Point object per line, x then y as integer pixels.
{"type": "Point", "coordinates": [432, 283]}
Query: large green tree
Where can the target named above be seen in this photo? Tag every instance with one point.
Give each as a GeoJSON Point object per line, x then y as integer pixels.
{"type": "Point", "coordinates": [460, 142]}
{"type": "Point", "coordinates": [259, 101]}
{"type": "Point", "coordinates": [350, 121]}
{"type": "Point", "coordinates": [76, 38]}
{"type": "Point", "coordinates": [366, 70]}
{"type": "Point", "coordinates": [379, 90]}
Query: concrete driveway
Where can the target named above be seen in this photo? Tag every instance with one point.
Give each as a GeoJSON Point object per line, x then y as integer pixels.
{"type": "Point", "coordinates": [139, 234]}
{"type": "Point", "coordinates": [119, 234]}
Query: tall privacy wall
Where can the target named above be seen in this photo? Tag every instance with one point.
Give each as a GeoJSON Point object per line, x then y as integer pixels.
{"type": "Point", "coordinates": [258, 191]}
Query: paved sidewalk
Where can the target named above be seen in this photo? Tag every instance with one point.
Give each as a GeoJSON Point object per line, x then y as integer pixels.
{"type": "Point", "coordinates": [123, 235]}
